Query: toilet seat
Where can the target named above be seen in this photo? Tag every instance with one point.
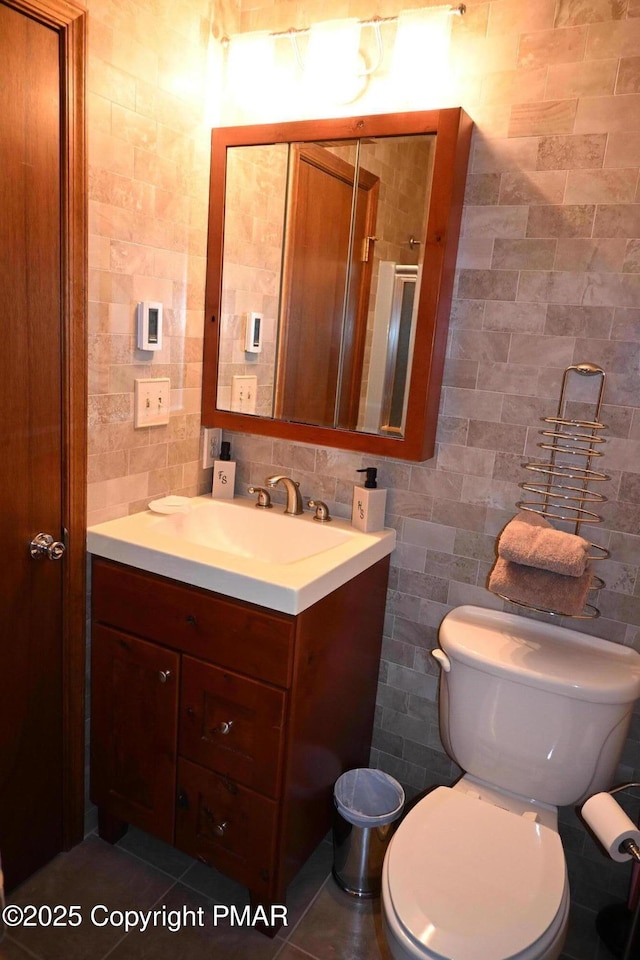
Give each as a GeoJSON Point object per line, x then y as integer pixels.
{"type": "Point", "coordinates": [471, 880]}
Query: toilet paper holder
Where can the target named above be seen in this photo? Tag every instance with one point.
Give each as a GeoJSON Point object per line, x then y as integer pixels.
{"type": "Point", "coordinates": [616, 832]}
{"type": "Point", "coordinates": [620, 838]}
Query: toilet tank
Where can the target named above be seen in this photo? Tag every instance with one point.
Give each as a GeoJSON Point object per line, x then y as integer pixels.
{"type": "Point", "coordinates": [532, 707]}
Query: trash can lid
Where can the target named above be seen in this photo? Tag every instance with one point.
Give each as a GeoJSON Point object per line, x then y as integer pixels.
{"type": "Point", "coordinates": [368, 798]}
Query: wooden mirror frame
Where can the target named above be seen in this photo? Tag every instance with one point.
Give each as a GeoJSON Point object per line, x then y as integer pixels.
{"type": "Point", "coordinates": [453, 136]}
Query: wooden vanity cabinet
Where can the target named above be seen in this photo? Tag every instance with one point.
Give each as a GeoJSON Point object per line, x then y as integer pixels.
{"type": "Point", "coordinates": [221, 726]}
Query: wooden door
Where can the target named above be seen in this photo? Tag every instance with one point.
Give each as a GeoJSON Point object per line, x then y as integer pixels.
{"type": "Point", "coordinates": [41, 490]}
{"type": "Point", "coordinates": [312, 365]}
{"type": "Point", "coordinates": [134, 734]}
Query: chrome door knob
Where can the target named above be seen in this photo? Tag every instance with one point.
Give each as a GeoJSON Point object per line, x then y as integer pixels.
{"type": "Point", "coordinates": [43, 545]}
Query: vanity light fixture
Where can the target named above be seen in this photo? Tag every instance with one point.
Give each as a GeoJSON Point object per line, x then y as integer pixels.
{"type": "Point", "coordinates": [335, 42]}
{"type": "Point", "coordinates": [375, 22]}
{"type": "Point", "coordinates": [332, 53]}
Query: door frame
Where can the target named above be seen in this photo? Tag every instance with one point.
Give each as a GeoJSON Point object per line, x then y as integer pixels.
{"type": "Point", "coordinates": [68, 19]}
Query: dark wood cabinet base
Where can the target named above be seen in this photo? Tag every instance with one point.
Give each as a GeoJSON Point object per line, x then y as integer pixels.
{"type": "Point", "coordinates": [221, 727]}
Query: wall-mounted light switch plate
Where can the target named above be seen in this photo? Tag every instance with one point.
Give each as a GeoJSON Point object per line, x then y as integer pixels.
{"type": "Point", "coordinates": [212, 438]}
{"type": "Point", "coordinates": [243, 393]}
{"type": "Point", "coordinates": [151, 402]}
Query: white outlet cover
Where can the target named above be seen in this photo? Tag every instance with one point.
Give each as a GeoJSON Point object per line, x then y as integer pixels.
{"type": "Point", "coordinates": [212, 439]}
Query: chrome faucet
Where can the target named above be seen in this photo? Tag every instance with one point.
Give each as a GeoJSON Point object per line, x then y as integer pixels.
{"type": "Point", "coordinates": [294, 500]}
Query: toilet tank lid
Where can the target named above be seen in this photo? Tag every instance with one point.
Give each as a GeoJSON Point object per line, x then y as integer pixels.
{"type": "Point", "coordinates": [541, 654]}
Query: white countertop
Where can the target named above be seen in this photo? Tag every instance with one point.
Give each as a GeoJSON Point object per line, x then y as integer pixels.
{"type": "Point", "coordinates": [233, 548]}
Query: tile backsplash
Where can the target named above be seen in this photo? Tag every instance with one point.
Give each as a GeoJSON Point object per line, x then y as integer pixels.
{"type": "Point", "coordinates": [548, 274]}
{"type": "Point", "coordinates": [150, 94]}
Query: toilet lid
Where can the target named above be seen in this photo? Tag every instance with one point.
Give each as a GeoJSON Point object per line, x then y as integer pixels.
{"type": "Point", "coordinates": [473, 881]}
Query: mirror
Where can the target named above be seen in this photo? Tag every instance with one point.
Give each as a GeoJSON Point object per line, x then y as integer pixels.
{"type": "Point", "coordinates": [331, 253]}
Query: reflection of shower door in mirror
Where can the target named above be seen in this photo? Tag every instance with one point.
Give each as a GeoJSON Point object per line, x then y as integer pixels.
{"type": "Point", "coordinates": [399, 350]}
{"type": "Point", "coordinates": [386, 388]}
{"type": "Point", "coordinates": [311, 364]}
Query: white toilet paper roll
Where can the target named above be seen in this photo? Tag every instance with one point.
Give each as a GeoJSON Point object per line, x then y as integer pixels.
{"type": "Point", "coordinates": [610, 824]}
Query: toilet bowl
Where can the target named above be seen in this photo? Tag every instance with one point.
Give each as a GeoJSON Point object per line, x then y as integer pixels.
{"type": "Point", "coordinates": [469, 880]}
{"type": "Point", "coordinates": [536, 716]}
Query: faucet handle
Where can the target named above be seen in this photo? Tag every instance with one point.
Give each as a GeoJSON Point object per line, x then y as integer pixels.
{"type": "Point", "coordinates": [322, 510]}
{"type": "Point", "coordinates": [264, 497]}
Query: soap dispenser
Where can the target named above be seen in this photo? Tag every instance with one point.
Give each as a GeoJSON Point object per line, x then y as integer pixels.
{"type": "Point", "coordinates": [367, 513]}
{"type": "Point", "coordinates": [224, 474]}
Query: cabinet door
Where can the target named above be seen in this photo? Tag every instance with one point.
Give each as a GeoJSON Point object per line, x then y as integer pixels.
{"type": "Point", "coordinates": [232, 724]}
{"type": "Point", "coordinates": [134, 730]}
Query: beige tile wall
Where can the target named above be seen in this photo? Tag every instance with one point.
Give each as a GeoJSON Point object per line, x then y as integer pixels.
{"type": "Point", "coordinates": [150, 99]}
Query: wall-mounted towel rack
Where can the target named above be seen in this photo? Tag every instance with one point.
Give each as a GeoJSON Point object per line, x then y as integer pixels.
{"type": "Point", "coordinates": [564, 483]}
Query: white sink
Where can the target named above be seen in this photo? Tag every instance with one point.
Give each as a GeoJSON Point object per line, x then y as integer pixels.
{"type": "Point", "coordinates": [235, 548]}
{"type": "Point", "coordinates": [258, 534]}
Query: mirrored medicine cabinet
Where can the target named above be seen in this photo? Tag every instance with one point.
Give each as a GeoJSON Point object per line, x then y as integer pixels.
{"type": "Point", "coordinates": [331, 256]}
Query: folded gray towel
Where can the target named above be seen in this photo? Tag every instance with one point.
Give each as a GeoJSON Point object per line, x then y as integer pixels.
{"type": "Point", "coordinates": [540, 588]}
{"type": "Point", "coordinates": [531, 540]}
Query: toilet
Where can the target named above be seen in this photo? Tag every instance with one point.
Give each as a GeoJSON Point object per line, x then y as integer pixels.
{"type": "Point", "coordinates": [536, 715]}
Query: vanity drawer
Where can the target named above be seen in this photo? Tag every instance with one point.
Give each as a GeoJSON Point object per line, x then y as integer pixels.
{"type": "Point", "coordinates": [232, 724]}
{"type": "Point", "coordinates": [227, 632]}
{"type": "Point", "coordinates": [226, 825]}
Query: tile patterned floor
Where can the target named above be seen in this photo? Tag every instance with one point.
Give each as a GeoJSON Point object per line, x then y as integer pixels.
{"type": "Point", "coordinates": [141, 873]}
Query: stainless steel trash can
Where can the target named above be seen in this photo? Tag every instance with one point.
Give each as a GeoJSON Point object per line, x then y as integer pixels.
{"type": "Point", "coordinates": [367, 804]}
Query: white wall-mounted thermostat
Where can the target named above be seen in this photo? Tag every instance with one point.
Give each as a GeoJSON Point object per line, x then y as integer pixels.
{"type": "Point", "coordinates": [253, 333]}
{"type": "Point", "coordinates": [149, 320]}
